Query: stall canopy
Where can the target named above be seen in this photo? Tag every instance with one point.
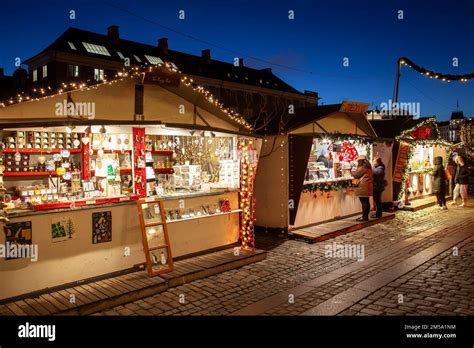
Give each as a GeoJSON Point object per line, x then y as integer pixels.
{"type": "Point", "coordinates": [392, 128]}
{"type": "Point", "coordinates": [157, 94]}
{"type": "Point", "coordinates": [329, 119]}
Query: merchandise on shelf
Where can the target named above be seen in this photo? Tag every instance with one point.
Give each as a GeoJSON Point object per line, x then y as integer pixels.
{"type": "Point", "coordinates": [331, 161]}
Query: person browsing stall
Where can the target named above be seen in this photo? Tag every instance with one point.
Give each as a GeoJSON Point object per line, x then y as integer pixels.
{"type": "Point", "coordinates": [379, 186]}
{"type": "Point", "coordinates": [363, 185]}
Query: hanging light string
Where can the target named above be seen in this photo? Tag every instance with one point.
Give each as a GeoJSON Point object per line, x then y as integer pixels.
{"type": "Point", "coordinates": [128, 72]}
{"type": "Point", "coordinates": [432, 74]}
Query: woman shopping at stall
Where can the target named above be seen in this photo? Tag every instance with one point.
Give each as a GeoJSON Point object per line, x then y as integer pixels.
{"type": "Point", "coordinates": [363, 185]}
{"type": "Point", "coordinates": [439, 183]}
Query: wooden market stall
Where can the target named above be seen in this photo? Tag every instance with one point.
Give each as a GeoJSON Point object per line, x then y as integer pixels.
{"type": "Point", "coordinates": [304, 174]}
{"type": "Point", "coordinates": [76, 161]}
{"type": "Point", "coordinates": [416, 143]}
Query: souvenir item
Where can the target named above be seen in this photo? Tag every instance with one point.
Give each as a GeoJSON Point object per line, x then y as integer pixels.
{"type": "Point", "coordinates": [50, 166]}
{"type": "Point", "coordinates": [57, 157]}
{"type": "Point", "coordinates": [65, 153]}
{"type": "Point", "coordinates": [163, 258]}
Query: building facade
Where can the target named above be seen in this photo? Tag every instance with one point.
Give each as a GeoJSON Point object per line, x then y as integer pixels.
{"type": "Point", "coordinates": [85, 57]}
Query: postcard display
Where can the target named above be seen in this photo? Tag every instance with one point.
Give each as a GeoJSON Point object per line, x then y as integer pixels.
{"type": "Point", "coordinates": [86, 179]}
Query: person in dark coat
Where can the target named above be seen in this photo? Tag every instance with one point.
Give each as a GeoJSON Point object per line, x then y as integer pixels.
{"type": "Point", "coordinates": [439, 183]}
{"type": "Point", "coordinates": [461, 180]}
{"type": "Point", "coordinates": [365, 187]}
{"type": "Point", "coordinates": [379, 186]}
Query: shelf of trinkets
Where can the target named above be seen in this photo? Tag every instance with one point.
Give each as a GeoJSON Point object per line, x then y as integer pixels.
{"type": "Point", "coordinates": [35, 162]}
{"type": "Point", "coordinates": [42, 140]}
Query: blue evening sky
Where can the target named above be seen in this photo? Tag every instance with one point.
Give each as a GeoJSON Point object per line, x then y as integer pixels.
{"type": "Point", "coordinates": [311, 47]}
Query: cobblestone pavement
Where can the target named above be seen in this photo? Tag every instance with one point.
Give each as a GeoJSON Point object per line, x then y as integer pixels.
{"type": "Point", "coordinates": [439, 286]}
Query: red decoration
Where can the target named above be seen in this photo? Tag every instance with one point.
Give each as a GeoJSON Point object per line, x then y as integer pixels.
{"type": "Point", "coordinates": [139, 161]}
{"type": "Point", "coordinates": [348, 153]}
{"type": "Point", "coordinates": [421, 133]}
{"type": "Point", "coordinates": [225, 206]}
{"type": "Point", "coordinates": [86, 170]}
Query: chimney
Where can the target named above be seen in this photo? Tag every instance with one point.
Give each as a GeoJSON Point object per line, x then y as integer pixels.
{"type": "Point", "coordinates": [266, 70]}
{"type": "Point", "coordinates": [113, 34]}
{"type": "Point", "coordinates": [241, 62]}
{"type": "Point", "coordinates": [206, 55]}
{"type": "Point", "coordinates": [163, 45]}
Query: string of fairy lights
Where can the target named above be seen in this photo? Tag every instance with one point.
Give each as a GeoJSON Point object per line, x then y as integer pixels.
{"type": "Point", "coordinates": [403, 61]}
{"type": "Point", "coordinates": [247, 199]}
{"type": "Point", "coordinates": [131, 72]}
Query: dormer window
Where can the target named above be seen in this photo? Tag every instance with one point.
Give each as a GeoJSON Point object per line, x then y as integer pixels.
{"type": "Point", "coordinates": [73, 47]}
{"type": "Point", "coordinates": [35, 75]}
{"type": "Point", "coordinates": [97, 49]}
{"type": "Point", "coordinates": [137, 59]}
{"type": "Point", "coordinates": [120, 55]}
{"type": "Point", "coordinates": [153, 60]}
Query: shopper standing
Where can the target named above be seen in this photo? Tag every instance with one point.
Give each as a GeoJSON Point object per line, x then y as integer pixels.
{"type": "Point", "coordinates": [461, 180]}
{"type": "Point", "coordinates": [379, 186]}
{"type": "Point", "coordinates": [363, 185]}
{"type": "Point", "coordinates": [439, 183]}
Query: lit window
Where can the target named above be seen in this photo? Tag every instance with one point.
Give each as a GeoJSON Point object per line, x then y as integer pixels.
{"type": "Point", "coordinates": [73, 70]}
{"type": "Point", "coordinates": [35, 75]}
{"type": "Point", "coordinates": [153, 59]}
{"type": "Point", "coordinates": [98, 74]}
{"type": "Point", "coordinates": [97, 49]}
{"type": "Point", "coordinates": [45, 71]}
{"type": "Point", "coordinates": [120, 55]}
{"type": "Point", "coordinates": [73, 47]}
{"type": "Point", "coordinates": [138, 59]}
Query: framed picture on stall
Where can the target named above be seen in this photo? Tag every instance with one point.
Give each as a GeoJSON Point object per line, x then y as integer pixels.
{"type": "Point", "coordinates": [155, 236]}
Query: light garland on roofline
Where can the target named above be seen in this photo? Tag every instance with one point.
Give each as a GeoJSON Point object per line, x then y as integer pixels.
{"type": "Point", "coordinates": [432, 74]}
{"type": "Point", "coordinates": [136, 71]}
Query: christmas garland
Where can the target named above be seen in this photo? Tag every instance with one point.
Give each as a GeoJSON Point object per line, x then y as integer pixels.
{"type": "Point", "coordinates": [327, 186]}
{"type": "Point", "coordinates": [430, 122]}
{"type": "Point", "coordinates": [340, 137]}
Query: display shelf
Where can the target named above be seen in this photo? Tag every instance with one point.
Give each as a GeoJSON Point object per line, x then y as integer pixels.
{"type": "Point", "coordinates": [162, 152]}
{"type": "Point", "coordinates": [122, 171]}
{"type": "Point", "coordinates": [40, 151]}
{"type": "Point", "coordinates": [164, 170]}
{"type": "Point", "coordinates": [203, 216]}
{"type": "Point", "coordinates": [12, 174]}
{"type": "Point", "coordinates": [80, 203]}
{"type": "Point", "coordinates": [113, 151]}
